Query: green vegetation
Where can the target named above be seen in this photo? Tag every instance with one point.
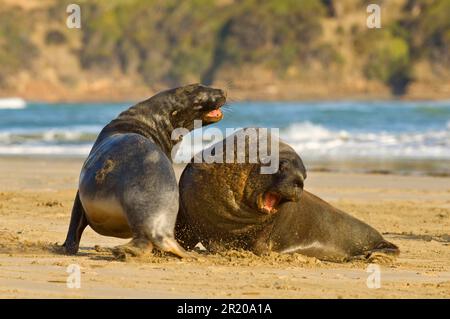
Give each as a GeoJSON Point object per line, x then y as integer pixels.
{"type": "Point", "coordinates": [387, 58]}
{"type": "Point", "coordinates": [423, 33]}
{"type": "Point", "coordinates": [428, 25]}
{"type": "Point", "coordinates": [16, 49]}
{"type": "Point", "coordinates": [174, 42]}
{"type": "Point", "coordinates": [274, 33]}
{"type": "Point", "coordinates": [167, 41]}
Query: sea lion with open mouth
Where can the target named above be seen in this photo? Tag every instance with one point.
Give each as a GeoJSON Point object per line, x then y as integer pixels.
{"type": "Point", "coordinates": [127, 185]}
{"type": "Point", "coordinates": [233, 205]}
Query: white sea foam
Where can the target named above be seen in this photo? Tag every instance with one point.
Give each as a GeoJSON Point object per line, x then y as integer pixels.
{"type": "Point", "coordinates": [50, 135]}
{"type": "Point", "coordinates": [67, 150]}
{"type": "Point", "coordinates": [74, 141]}
{"type": "Point", "coordinates": [12, 103]}
{"type": "Point", "coordinates": [310, 140]}
{"type": "Point", "coordinates": [313, 141]}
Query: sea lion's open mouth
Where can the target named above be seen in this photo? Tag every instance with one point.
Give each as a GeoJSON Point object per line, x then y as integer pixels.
{"type": "Point", "coordinates": [268, 202]}
{"type": "Point", "coordinates": [213, 116]}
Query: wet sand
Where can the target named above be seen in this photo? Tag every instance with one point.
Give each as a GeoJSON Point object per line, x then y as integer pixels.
{"type": "Point", "coordinates": [36, 197]}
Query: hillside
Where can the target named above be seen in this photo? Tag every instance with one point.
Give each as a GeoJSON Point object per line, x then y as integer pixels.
{"type": "Point", "coordinates": [288, 49]}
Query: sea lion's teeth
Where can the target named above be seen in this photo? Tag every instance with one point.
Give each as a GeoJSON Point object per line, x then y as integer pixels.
{"type": "Point", "coordinates": [269, 210]}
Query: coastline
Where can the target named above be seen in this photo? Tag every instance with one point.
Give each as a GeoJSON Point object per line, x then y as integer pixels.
{"type": "Point", "coordinates": [114, 91]}
{"type": "Point", "coordinates": [361, 166]}
{"type": "Point", "coordinates": [36, 196]}
{"type": "Point", "coordinates": [109, 97]}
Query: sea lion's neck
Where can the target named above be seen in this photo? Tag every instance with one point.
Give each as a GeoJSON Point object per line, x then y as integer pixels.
{"type": "Point", "coordinates": [242, 220]}
{"type": "Point", "coordinates": [150, 122]}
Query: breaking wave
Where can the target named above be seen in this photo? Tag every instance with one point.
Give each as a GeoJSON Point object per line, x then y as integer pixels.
{"type": "Point", "coordinates": [312, 140]}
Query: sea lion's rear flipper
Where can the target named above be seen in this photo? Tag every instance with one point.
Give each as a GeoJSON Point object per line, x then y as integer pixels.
{"type": "Point", "coordinates": [78, 223]}
{"type": "Point", "coordinates": [383, 252]}
{"type": "Point", "coordinates": [385, 247]}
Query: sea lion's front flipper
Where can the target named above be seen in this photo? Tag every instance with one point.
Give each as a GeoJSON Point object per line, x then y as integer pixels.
{"type": "Point", "coordinates": [134, 248]}
{"type": "Point", "coordinates": [170, 245]}
{"type": "Point", "coordinates": [139, 247]}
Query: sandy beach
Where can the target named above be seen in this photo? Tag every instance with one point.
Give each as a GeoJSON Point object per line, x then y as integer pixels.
{"type": "Point", "coordinates": [36, 197]}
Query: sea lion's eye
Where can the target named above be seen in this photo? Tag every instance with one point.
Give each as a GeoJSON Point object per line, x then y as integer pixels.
{"type": "Point", "coordinates": [284, 165]}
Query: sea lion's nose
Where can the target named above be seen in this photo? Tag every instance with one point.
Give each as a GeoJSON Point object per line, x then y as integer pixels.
{"type": "Point", "coordinates": [220, 94]}
{"type": "Point", "coordinates": [219, 98]}
{"type": "Point", "coordinates": [299, 181]}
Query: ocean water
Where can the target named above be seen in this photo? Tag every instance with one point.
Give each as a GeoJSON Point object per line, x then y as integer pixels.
{"type": "Point", "coordinates": [380, 136]}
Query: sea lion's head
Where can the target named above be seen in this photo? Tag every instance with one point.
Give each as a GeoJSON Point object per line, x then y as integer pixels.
{"type": "Point", "coordinates": [195, 102]}
{"type": "Point", "coordinates": [266, 192]}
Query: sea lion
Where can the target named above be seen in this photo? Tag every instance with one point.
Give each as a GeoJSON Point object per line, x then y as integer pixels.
{"type": "Point", "coordinates": [127, 186]}
{"type": "Point", "coordinates": [220, 206]}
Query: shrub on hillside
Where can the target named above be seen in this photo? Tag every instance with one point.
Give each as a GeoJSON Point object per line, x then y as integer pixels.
{"type": "Point", "coordinates": [429, 25]}
{"type": "Point", "coordinates": [16, 48]}
{"type": "Point", "coordinates": [178, 42]}
{"type": "Point", "coordinates": [387, 58]}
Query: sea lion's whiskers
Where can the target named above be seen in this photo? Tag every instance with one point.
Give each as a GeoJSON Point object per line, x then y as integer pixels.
{"type": "Point", "coordinates": [227, 108]}
{"type": "Point", "coordinates": [229, 87]}
{"type": "Point", "coordinates": [234, 100]}
{"type": "Point", "coordinates": [229, 84]}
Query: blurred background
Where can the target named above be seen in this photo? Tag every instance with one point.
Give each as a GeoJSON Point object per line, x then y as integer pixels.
{"type": "Point", "coordinates": [345, 96]}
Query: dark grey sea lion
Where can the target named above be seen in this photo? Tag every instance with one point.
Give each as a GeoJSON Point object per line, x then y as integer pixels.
{"type": "Point", "coordinates": [220, 206]}
{"type": "Point", "coordinates": [127, 185]}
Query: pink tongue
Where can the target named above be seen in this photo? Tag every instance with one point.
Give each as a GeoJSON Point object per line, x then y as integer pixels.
{"type": "Point", "coordinates": [214, 113]}
{"type": "Point", "coordinates": [270, 200]}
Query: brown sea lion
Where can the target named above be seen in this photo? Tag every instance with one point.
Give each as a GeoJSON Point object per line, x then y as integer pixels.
{"type": "Point", "coordinates": [229, 205]}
